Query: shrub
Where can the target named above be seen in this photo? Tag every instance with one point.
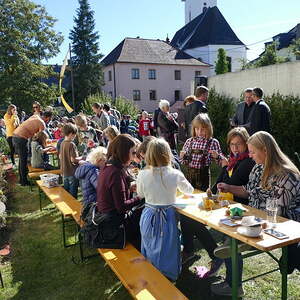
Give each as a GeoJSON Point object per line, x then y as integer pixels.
{"type": "Point", "coordinates": [221, 108]}
{"type": "Point", "coordinates": [4, 147]}
{"type": "Point", "coordinates": [285, 122]}
{"type": "Point", "coordinates": [123, 105]}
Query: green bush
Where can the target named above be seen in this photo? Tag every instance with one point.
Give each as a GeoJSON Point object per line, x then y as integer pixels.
{"type": "Point", "coordinates": [4, 147]}
{"type": "Point", "coordinates": [221, 108]}
{"type": "Point", "coordinates": [123, 105]}
{"type": "Point", "coordinates": [285, 122]}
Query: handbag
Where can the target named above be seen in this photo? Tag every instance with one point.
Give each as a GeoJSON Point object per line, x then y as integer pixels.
{"type": "Point", "coordinates": [102, 230]}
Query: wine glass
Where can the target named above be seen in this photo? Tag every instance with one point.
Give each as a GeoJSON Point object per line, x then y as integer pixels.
{"type": "Point", "coordinates": [271, 210]}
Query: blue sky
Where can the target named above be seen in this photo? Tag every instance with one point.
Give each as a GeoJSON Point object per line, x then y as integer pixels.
{"type": "Point", "coordinates": [252, 21]}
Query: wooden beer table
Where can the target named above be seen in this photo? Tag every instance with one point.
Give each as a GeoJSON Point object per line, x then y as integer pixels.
{"type": "Point", "coordinates": [263, 243]}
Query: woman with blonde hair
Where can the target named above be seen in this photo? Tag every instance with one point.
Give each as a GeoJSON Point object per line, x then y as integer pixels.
{"type": "Point", "coordinates": [88, 173]}
{"type": "Point", "coordinates": [273, 177]}
{"type": "Point", "coordinates": [158, 183]}
{"type": "Point", "coordinates": [11, 121]}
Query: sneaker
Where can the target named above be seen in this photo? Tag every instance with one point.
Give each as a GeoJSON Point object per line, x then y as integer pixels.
{"type": "Point", "coordinates": [224, 250]}
{"type": "Point", "coordinates": [215, 266]}
{"type": "Point", "coordinates": [186, 257]}
{"type": "Point", "coordinates": [223, 289]}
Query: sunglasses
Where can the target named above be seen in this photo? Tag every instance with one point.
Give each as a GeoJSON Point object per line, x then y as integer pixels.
{"type": "Point", "coordinates": [34, 107]}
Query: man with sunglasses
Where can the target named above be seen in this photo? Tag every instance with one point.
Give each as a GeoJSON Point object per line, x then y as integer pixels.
{"type": "Point", "coordinates": [20, 139]}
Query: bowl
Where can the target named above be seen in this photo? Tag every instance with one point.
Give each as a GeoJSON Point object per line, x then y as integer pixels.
{"type": "Point", "coordinates": [251, 231]}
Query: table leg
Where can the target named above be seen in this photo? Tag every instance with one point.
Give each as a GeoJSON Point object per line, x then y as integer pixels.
{"type": "Point", "coordinates": [283, 269]}
{"type": "Point", "coordinates": [234, 261]}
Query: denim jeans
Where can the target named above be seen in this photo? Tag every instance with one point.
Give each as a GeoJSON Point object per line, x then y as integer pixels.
{"type": "Point", "coordinates": [71, 184]}
{"type": "Point", "coordinates": [21, 148]}
{"type": "Point", "coordinates": [228, 265]}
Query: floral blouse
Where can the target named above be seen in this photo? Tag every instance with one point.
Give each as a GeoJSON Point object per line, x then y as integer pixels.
{"type": "Point", "coordinates": [285, 188]}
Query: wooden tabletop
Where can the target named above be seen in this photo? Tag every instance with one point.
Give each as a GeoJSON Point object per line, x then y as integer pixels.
{"type": "Point", "coordinates": [265, 242]}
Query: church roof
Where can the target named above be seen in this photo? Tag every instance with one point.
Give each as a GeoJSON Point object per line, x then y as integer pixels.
{"type": "Point", "coordinates": [147, 51]}
{"type": "Point", "coordinates": [209, 28]}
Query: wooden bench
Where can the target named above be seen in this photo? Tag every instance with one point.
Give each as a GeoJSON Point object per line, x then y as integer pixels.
{"type": "Point", "coordinates": [139, 276]}
{"type": "Point", "coordinates": [36, 174]}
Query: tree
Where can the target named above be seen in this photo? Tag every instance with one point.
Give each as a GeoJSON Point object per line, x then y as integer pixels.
{"type": "Point", "coordinates": [269, 57]}
{"type": "Point", "coordinates": [26, 38]}
{"type": "Point", "coordinates": [88, 75]}
{"type": "Point", "coordinates": [295, 48]}
{"type": "Point", "coordinates": [221, 63]}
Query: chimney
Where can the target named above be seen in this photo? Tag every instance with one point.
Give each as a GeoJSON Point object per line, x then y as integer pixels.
{"type": "Point", "coordinates": [167, 39]}
{"type": "Point", "coordinates": [204, 7]}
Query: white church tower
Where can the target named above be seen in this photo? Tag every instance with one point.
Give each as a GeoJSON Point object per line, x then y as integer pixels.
{"type": "Point", "coordinates": [194, 8]}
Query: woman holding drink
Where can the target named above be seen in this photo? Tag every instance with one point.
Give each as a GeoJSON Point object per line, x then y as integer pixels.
{"type": "Point", "coordinates": [273, 178]}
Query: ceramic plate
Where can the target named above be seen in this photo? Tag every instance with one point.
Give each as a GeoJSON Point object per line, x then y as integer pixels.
{"type": "Point", "coordinates": [244, 231]}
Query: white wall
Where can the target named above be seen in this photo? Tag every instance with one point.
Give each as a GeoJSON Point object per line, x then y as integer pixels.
{"type": "Point", "coordinates": [283, 78]}
{"type": "Point", "coordinates": [164, 84]}
{"type": "Point", "coordinates": [209, 54]}
{"type": "Point", "coordinates": [194, 8]}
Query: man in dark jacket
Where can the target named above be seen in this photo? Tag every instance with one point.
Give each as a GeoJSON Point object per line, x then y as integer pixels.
{"type": "Point", "coordinates": [244, 110]}
{"type": "Point", "coordinates": [261, 114]}
{"type": "Point", "coordinates": [198, 106]}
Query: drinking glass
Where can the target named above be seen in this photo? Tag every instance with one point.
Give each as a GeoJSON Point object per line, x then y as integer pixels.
{"type": "Point", "coordinates": [271, 210]}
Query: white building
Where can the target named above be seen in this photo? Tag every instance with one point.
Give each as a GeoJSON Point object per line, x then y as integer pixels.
{"type": "Point", "coordinates": [206, 33]}
{"type": "Point", "coordinates": [145, 71]}
{"type": "Point", "coordinates": [194, 8]}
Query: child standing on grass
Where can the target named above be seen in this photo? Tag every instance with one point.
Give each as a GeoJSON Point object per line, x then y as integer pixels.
{"type": "Point", "coordinates": [39, 156]}
{"type": "Point", "coordinates": [199, 151]}
{"type": "Point", "coordinates": [144, 125]}
{"type": "Point", "coordinates": [158, 184]}
{"type": "Point", "coordinates": [69, 159]}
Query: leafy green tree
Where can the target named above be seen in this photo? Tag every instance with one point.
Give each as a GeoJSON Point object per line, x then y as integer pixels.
{"type": "Point", "coordinates": [269, 57]}
{"type": "Point", "coordinates": [221, 63]}
{"type": "Point", "coordinates": [88, 75]}
{"type": "Point", "coordinates": [26, 38]}
{"type": "Point", "coordinates": [295, 48]}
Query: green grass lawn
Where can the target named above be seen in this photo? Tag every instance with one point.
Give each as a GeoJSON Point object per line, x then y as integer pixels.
{"type": "Point", "coordinates": [40, 268]}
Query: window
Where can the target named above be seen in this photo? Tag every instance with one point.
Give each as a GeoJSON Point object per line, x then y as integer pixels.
{"type": "Point", "coordinates": [177, 95]}
{"type": "Point", "coordinates": [136, 95]}
{"type": "Point", "coordinates": [228, 58]}
{"type": "Point", "coordinates": [135, 73]}
{"type": "Point", "coordinates": [197, 73]}
{"type": "Point", "coordinates": [177, 75]}
{"type": "Point", "coordinates": [152, 95]}
{"type": "Point", "coordinates": [151, 74]}
{"type": "Point", "coordinates": [109, 76]}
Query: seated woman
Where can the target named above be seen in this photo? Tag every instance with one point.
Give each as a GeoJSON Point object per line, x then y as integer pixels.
{"type": "Point", "coordinates": [240, 164]}
{"type": "Point", "coordinates": [113, 189]}
{"type": "Point", "coordinates": [274, 175]}
{"type": "Point", "coordinates": [88, 173]}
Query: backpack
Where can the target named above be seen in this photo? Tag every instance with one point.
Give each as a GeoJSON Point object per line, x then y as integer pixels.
{"type": "Point", "coordinates": [102, 230]}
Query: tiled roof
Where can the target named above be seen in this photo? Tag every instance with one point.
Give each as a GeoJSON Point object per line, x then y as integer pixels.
{"type": "Point", "coordinates": [209, 28]}
{"type": "Point", "coordinates": [137, 50]}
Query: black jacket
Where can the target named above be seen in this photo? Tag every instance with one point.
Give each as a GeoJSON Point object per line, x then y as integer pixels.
{"type": "Point", "coordinates": [260, 117]}
{"type": "Point", "coordinates": [191, 111]}
{"type": "Point", "coordinates": [240, 176]}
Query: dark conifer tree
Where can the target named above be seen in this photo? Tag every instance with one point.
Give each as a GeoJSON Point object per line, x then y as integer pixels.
{"type": "Point", "coordinates": [88, 75]}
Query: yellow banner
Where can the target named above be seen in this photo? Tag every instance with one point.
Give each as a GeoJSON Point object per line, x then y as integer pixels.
{"type": "Point", "coordinates": [61, 76]}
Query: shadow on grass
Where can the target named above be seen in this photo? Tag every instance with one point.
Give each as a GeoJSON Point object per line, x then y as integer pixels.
{"type": "Point", "coordinates": [40, 268]}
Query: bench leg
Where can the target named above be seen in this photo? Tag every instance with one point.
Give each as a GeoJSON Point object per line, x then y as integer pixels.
{"type": "Point", "coordinates": [284, 273]}
{"type": "Point", "coordinates": [234, 261]}
{"type": "Point", "coordinates": [64, 221]}
{"type": "Point", "coordinates": [1, 280]}
{"type": "Point", "coordinates": [40, 198]}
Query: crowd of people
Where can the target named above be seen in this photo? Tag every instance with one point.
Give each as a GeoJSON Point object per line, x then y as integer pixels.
{"type": "Point", "coordinates": [121, 163]}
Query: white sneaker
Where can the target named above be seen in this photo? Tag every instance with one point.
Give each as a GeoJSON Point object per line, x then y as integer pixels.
{"type": "Point", "coordinates": [223, 289]}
